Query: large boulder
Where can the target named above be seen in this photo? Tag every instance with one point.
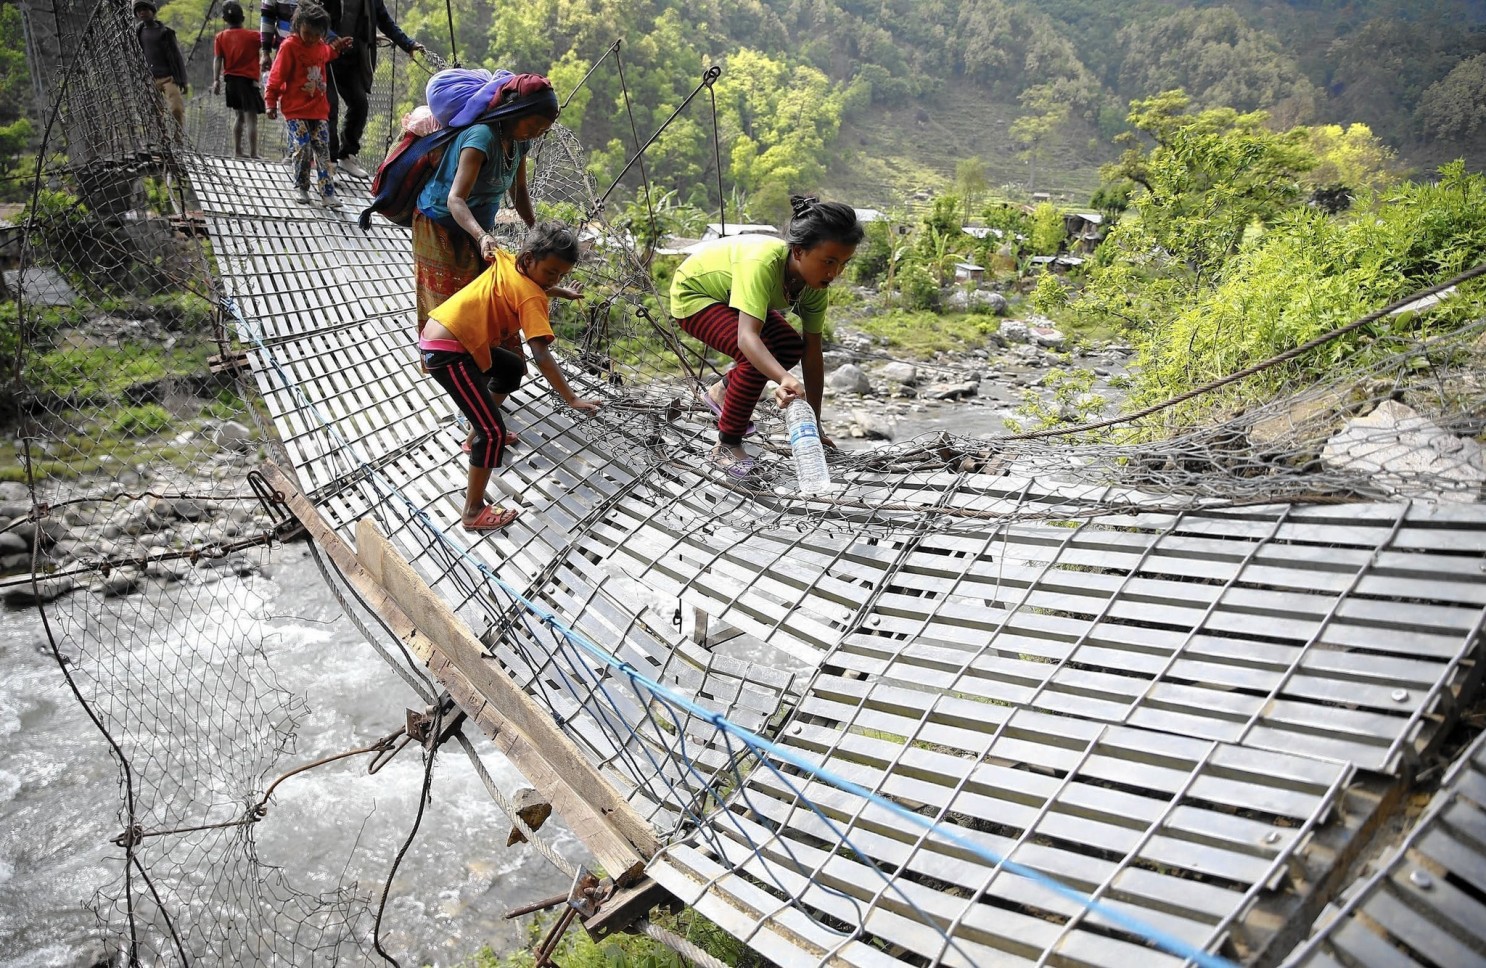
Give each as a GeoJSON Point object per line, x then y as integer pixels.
{"type": "Point", "coordinates": [231, 435]}
{"type": "Point", "coordinates": [900, 372]}
{"type": "Point", "coordinates": [1409, 455]}
{"type": "Point", "coordinates": [872, 425]}
{"type": "Point", "coordinates": [950, 391]}
{"type": "Point", "coordinates": [1015, 331]}
{"type": "Point", "coordinates": [849, 379]}
{"type": "Point", "coordinates": [19, 596]}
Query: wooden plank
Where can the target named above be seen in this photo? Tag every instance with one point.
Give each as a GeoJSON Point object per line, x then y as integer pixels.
{"type": "Point", "coordinates": [620, 840]}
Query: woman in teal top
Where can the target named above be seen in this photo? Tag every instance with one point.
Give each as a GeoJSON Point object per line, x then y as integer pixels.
{"type": "Point", "coordinates": [451, 225]}
{"type": "Point", "coordinates": [730, 295]}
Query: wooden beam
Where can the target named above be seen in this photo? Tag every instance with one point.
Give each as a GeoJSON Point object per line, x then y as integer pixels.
{"type": "Point", "coordinates": [617, 836]}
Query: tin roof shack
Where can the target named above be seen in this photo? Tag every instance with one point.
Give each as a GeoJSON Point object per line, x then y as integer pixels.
{"type": "Point", "coordinates": [969, 272]}
{"type": "Point", "coordinates": [1085, 230]}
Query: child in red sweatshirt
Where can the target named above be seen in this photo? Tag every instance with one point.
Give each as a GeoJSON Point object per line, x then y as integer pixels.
{"type": "Point", "coordinates": [297, 85]}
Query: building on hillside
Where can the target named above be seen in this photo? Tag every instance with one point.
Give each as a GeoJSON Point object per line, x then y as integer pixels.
{"type": "Point", "coordinates": [717, 230]}
{"type": "Point", "coordinates": [1056, 263]}
{"type": "Point", "coordinates": [865, 215]}
{"type": "Point", "coordinates": [969, 272]}
{"type": "Point", "coordinates": [1085, 230]}
{"type": "Point", "coordinates": [984, 232]}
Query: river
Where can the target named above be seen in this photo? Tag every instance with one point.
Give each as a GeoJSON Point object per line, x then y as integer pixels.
{"type": "Point", "coordinates": [333, 825]}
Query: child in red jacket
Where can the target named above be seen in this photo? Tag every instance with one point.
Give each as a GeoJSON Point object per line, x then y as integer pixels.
{"type": "Point", "coordinates": [297, 84]}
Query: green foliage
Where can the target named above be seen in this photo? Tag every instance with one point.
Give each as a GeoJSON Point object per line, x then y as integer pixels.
{"type": "Point", "coordinates": [16, 129]}
{"type": "Point", "coordinates": [1352, 157]}
{"type": "Point", "coordinates": [917, 287]}
{"type": "Point", "coordinates": [970, 183]}
{"type": "Point", "coordinates": [1310, 273]}
{"type": "Point", "coordinates": [1048, 229]}
{"type": "Point", "coordinates": [1071, 402]}
{"type": "Point", "coordinates": [141, 421]}
{"type": "Point", "coordinates": [1455, 107]}
{"type": "Point", "coordinates": [1221, 60]}
{"type": "Point", "coordinates": [1208, 179]}
{"type": "Point", "coordinates": [919, 334]}
{"type": "Point", "coordinates": [1051, 294]}
{"type": "Point", "coordinates": [578, 950]}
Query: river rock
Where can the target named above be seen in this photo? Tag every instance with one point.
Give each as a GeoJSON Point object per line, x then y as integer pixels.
{"type": "Point", "coordinates": [12, 543]}
{"type": "Point", "coordinates": [233, 436]}
{"type": "Point", "coordinates": [186, 509]}
{"type": "Point", "coordinates": [1047, 336]}
{"type": "Point", "coordinates": [1297, 419]}
{"type": "Point", "coordinates": [166, 570]}
{"type": "Point", "coordinates": [873, 426]}
{"type": "Point", "coordinates": [899, 372]}
{"type": "Point", "coordinates": [950, 391]}
{"type": "Point", "coordinates": [849, 379]}
{"type": "Point", "coordinates": [22, 595]}
{"type": "Point", "coordinates": [1409, 455]}
{"type": "Point", "coordinates": [14, 492]}
{"type": "Point", "coordinates": [124, 581]}
{"type": "Point", "coordinates": [1014, 331]}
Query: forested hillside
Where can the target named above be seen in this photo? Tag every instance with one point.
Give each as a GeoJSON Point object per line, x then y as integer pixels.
{"type": "Point", "coordinates": [873, 99]}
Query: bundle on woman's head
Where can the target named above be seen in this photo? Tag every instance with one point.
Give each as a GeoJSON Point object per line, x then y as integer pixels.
{"type": "Point", "coordinates": [815, 221]}
{"type": "Point", "coordinates": [458, 96]}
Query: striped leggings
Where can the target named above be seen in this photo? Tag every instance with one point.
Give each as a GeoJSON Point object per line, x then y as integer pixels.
{"type": "Point", "coordinates": [717, 326]}
{"type": "Point", "coordinates": [461, 377]}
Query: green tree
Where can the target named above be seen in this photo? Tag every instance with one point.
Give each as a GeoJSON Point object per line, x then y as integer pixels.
{"type": "Point", "coordinates": [16, 130]}
{"type": "Point", "coordinates": [970, 183]}
{"type": "Point", "coordinates": [1351, 157]}
{"type": "Point", "coordinates": [1048, 229]}
{"type": "Point", "coordinates": [1455, 107]}
{"type": "Point", "coordinates": [1206, 180]}
{"type": "Point", "coordinates": [1035, 131]}
{"type": "Point", "coordinates": [1221, 60]}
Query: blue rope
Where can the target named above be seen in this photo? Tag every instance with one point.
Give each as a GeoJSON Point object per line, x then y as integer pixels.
{"type": "Point", "coordinates": [761, 747]}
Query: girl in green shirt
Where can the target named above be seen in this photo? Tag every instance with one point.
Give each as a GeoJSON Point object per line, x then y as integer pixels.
{"type": "Point", "coordinates": [730, 295]}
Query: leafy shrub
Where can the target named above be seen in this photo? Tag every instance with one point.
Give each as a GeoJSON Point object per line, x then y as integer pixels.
{"type": "Point", "coordinates": [141, 421]}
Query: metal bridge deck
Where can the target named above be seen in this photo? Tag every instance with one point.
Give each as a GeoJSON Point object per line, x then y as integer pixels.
{"type": "Point", "coordinates": [1193, 715]}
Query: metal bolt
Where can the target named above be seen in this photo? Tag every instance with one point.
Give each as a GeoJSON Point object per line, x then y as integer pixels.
{"type": "Point", "coordinates": [796, 729]}
{"type": "Point", "coordinates": [875, 620]}
{"type": "Point", "coordinates": [1400, 695]}
{"type": "Point", "coordinates": [1421, 879]}
{"type": "Point", "coordinates": [1273, 837]}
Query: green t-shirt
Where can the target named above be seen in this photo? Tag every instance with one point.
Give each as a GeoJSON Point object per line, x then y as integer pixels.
{"type": "Point", "coordinates": [746, 273]}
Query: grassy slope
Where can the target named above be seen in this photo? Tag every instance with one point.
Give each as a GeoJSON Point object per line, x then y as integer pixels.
{"type": "Point", "coordinates": [890, 153]}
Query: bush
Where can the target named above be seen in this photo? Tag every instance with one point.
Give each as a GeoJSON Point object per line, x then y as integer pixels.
{"type": "Point", "coordinates": [918, 287]}
{"type": "Point", "coordinates": [141, 421]}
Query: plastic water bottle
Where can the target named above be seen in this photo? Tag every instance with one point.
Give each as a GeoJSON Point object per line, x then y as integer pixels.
{"type": "Point", "coordinates": [809, 452]}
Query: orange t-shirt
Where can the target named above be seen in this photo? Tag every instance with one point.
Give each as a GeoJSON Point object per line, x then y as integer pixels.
{"type": "Point", "coordinates": [497, 306]}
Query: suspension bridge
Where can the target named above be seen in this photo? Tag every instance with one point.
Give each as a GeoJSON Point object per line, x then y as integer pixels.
{"type": "Point", "coordinates": [1006, 701]}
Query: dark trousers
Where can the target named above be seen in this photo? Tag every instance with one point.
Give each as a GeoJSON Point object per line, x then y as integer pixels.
{"type": "Point", "coordinates": [350, 83]}
{"type": "Point", "coordinates": [471, 390]}
{"type": "Point", "coordinates": [717, 326]}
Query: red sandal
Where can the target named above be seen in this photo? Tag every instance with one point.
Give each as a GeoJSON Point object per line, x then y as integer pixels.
{"type": "Point", "coordinates": [492, 518]}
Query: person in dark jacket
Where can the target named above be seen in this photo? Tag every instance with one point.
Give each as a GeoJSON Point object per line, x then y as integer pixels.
{"type": "Point", "coordinates": [360, 20]}
{"type": "Point", "coordinates": [163, 56]}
